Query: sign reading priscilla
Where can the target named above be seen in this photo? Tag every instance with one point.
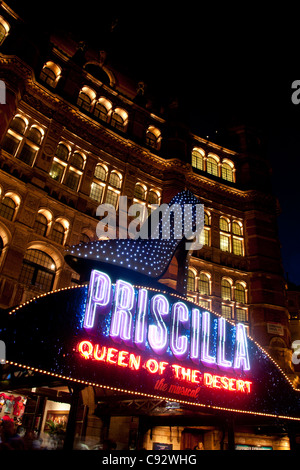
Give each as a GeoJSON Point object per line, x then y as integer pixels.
{"type": "Point", "coordinates": [148, 342]}
{"type": "Point", "coordinates": [176, 336]}
{"type": "Point", "coordinates": [175, 348]}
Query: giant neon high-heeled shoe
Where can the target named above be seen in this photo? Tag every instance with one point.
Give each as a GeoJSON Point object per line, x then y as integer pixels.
{"type": "Point", "coordinates": [142, 258]}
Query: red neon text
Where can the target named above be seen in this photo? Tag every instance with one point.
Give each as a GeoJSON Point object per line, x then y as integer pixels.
{"type": "Point", "coordinates": [225, 383]}
{"type": "Point", "coordinates": [109, 355]}
{"type": "Point", "coordinates": [123, 358]}
{"type": "Point", "coordinates": [189, 375]}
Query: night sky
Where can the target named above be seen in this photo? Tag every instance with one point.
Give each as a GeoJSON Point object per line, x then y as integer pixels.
{"type": "Point", "coordinates": [224, 63]}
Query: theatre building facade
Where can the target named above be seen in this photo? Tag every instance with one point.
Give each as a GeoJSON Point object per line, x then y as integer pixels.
{"type": "Point", "coordinates": [141, 342]}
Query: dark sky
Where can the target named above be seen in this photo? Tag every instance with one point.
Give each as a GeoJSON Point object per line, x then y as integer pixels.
{"type": "Point", "coordinates": [226, 61]}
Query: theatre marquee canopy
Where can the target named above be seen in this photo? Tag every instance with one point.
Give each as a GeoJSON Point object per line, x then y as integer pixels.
{"type": "Point", "coordinates": [149, 342]}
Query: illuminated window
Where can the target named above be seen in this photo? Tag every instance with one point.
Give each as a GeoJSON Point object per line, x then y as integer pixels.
{"type": "Point", "coordinates": [212, 166]}
{"type": "Point", "coordinates": [225, 243]}
{"type": "Point", "coordinates": [203, 284]}
{"type": "Point", "coordinates": [191, 281]}
{"type": "Point", "coordinates": [140, 192]}
{"type": "Point", "coordinates": [84, 101]}
{"type": "Point", "coordinates": [57, 171]}
{"type": "Point", "coordinates": [226, 311]}
{"type": "Point", "coordinates": [224, 225]}
{"type": "Point", "coordinates": [148, 197]}
{"type": "Point", "coordinates": [4, 29]}
{"type": "Point", "coordinates": [58, 233]}
{"type": "Point", "coordinates": [227, 172]}
{"type": "Point", "coordinates": [96, 192]}
{"type": "Point", "coordinates": [225, 238]}
{"type": "Point", "coordinates": [72, 179]}
{"type": "Point", "coordinates": [19, 125]}
{"type": "Point", "coordinates": [153, 197]}
{"type": "Point", "coordinates": [11, 143]}
{"type": "Point", "coordinates": [27, 153]}
{"type": "Point", "coordinates": [67, 166]}
{"type": "Point", "coordinates": [41, 224]}
{"type": "Point", "coordinates": [153, 137]}
{"type": "Point", "coordinates": [240, 293]}
{"type": "Point", "coordinates": [204, 303]}
{"type": "Point", "coordinates": [205, 234]}
{"type": "Point", "coordinates": [7, 208]}
{"type": "Point", "coordinates": [50, 74]}
{"type": "Point", "coordinates": [237, 246]}
{"type": "Point", "coordinates": [22, 144]}
{"type": "Point", "coordinates": [241, 315]}
{"type": "Point", "coordinates": [225, 289]}
{"type": "Point", "coordinates": [35, 135]}
{"type": "Point", "coordinates": [38, 270]}
{"type": "Point", "coordinates": [237, 238]}
{"type": "Point", "coordinates": [100, 172]}
{"type": "Point", "coordinates": [115, 180]}
{"type": "Point", "coordinates": [198, 159]}
{"type": "Point", "coordinates": [23, 141]}
{"type": "Point", "coordinates": [237, 228]}
{"type": "Point", "coordinates": [102, 109]}
{"type": "Point", "coordinates": [112, 198]}
{"type": "Point", "coordinates": [62, 152]}
{"type": "Point", "coordinates": [97, 189]}
{"type": "Point", "coordinates": [77, 160]}
{"type": "Point", "coordinates": [119, 119]}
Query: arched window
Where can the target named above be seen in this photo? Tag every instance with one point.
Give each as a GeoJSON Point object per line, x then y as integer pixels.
{"type": "Point", "coordinates": [58, 233]}
{"type": "Point", "coordinates": [227, 172]}
{"type": "Point", "coordinates": [224, 225]}
{"type": "Point", "coordinates": [153, 197]}
{"type": "Point", "coordinates": [19, 125]}
{"type": "Point", "coordinates": [237, 228]}
{"type": "Point", "coordinates": [205, 233]}
{"type": "Point", "coordinates": [41, 224]}
{"type": "Point", "coordinates": [67, 166]}
{"type": "Point", "coordinates": [102, 109]}
{"type": "Point", "coordinates": [198, 158]}
{"type": "Point", "coordinates": [226, 289]}
{"type": "Point", "coordinates": [115, 180]}
{"type": "Point", "coordinates": [50, 74]}
{"type": "Point", "coordinates": [153, 137]}
{"type": "Point", "coordinates": [2, 33]}
{"type": "Point", "coordinates": [38, 270]}
{"type": "Point", "coordinates": [191, 281]}
{"type": "Point", "coordinates": [4, 29]}
{"type": "Point", "coordinates": [225, 237]}
{"type": "Point", "coordinates": [100, 172]}
{"type": "Point", "coordinates": [35, 135]}
{"type": "Point", "coordinates": [7, 208]}
{"type": "Point", "coordinates": [212, 166]}
{"type": "Point", "coordinates": [140, 192]}
{"type": "Point", "coordinates": [62, 152]}
{"type": "Point", "coordinates": [84, 101]}
{"type": "Point", "coordinates": [237, 238]}
{"type": "Point", "coordinates": [77, 160]}
{"type": "Point", "coordinates": [119, 119]}
{"type": "Point", "coordinates": [240, 293]}
{"type": "Point", "coordinates": [203, 284]}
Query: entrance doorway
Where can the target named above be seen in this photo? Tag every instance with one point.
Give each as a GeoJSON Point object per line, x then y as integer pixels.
{"type": "Point", "coordinates": [191, 439]}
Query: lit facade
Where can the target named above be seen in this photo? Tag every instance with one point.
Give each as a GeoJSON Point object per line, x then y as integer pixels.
{"type": "Point", "coordinates": [75, 134]}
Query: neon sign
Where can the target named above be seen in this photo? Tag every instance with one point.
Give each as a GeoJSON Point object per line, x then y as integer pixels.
{"type": "Point", "coordinates": [125, 359]}
{"type": "Point", "coordinates": [144, 321]}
